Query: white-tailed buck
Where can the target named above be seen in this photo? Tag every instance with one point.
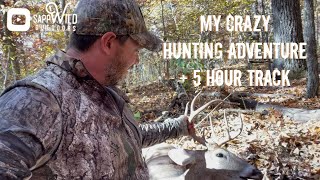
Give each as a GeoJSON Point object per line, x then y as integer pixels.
{"type": "Point", "coordinates": [167, 162]}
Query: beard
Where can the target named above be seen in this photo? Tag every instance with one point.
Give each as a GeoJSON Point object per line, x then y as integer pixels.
{"type": "Point", "coordinates": [116, 72]}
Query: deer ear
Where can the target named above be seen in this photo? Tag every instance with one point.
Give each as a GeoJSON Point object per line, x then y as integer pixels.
{"type": "Point", "coordinates": [181, 157]}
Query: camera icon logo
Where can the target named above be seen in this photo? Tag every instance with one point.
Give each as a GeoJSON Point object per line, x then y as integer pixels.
{"type": "Point", "coordinates": [18, 19]}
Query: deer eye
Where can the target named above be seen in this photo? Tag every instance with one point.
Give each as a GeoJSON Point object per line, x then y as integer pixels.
{"type": "Point", "coordinates": [220, 155]}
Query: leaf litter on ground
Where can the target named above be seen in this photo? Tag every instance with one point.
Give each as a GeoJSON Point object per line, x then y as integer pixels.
{"type": "Point", "coordinates": [279, 147]}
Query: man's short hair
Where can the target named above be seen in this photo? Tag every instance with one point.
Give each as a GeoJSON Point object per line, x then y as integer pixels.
{"type": "Point", "coordinates": [122, 38]}
{"type": "Point", "coordinates": [84, 42]}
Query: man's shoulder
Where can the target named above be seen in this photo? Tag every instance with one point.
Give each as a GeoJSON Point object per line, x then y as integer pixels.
{"type": "Point", "coordinates": [51, 80]}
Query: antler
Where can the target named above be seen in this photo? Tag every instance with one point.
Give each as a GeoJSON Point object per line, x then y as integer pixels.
{"type": "Point", "coordinates": [229, 138]}
{"type": "Point", "coordinates": [228, 132]}
{"type": "Point", "coordinates": [193, 113]}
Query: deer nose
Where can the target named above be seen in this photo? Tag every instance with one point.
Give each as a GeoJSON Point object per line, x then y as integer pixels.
{"type": "Point", "coordinates": [256, 174]}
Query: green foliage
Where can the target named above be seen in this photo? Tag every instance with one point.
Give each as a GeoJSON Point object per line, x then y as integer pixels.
{"type": "Point", "coordinates": [137, 116]}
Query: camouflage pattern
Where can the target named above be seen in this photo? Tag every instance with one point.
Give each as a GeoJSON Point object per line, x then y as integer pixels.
{"type": "Point", "coordinates": [123, 17]}
{"type": "Point", "coordinates": [63, 119]}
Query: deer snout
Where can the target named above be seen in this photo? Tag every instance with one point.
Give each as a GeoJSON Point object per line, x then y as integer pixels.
{"type": "Point", "coordinates": [252, 173]}
{"type": "Point", "coordinates": [256, 174]}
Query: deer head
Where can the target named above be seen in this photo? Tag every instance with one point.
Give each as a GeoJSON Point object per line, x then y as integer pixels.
{"type": "Point", "coordinates": [167, 162]}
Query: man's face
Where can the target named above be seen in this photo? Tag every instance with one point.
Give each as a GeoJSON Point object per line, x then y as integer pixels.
{"type": "Point", "coordinates": [125, 57]}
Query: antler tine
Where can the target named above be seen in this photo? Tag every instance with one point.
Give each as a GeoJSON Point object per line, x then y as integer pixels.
{"type": "Point", "coordinates": [227, 124]}
{"type": "Point", "coordinates": [211, 127]}
{"type": "Point", "coordinates": [241, 125]}
{"type": "Point", "coordinates": [228, 132]}
{"type": "Point", "coordinates": [193, 101]}
{"type": "Point", "coordinates": [194, 113]}
{"type": "Point", "coordinates": [187, 109]}
{"type": "Point", "coordinates": [213, 136]}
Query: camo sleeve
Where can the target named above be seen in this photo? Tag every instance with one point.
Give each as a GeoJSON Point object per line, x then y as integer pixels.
{"type": "Point", "coordinates": [29, 129]}
{"type": "Point", "coordinates": [154, 133]}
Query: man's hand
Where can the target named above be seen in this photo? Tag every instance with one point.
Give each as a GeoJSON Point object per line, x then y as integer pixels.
{"type": "Point", "coordinates": [190, 125]}
{"type": "Point", "coordinates": [192, 130]}
{"type": "Point", "coordinates": [187, 126]}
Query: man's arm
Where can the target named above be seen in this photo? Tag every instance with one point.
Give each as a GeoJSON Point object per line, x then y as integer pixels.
{"type": "Point", "coordinates": [154, 133]}
{"type": "Point", "coordinates": [30, 124]}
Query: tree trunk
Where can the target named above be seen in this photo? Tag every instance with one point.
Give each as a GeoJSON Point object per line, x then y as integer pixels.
{"type": "Point", "coordinates": [287, 26]}
{"type": "Point", "coordinates": [10, 47]}
{"type": "Point", "coordinates": [265, 35]}
{"type": "Point", "coordinates": [317, 20]}
{"type": "Point", "coordinates": [310, 38]}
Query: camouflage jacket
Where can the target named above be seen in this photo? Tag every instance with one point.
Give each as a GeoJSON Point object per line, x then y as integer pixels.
{"type": "Point", "coordinates": [62, 124]}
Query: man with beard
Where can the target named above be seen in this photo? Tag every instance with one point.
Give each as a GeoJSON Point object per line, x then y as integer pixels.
{"type": "Point", "coordinates": [68, 121]}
